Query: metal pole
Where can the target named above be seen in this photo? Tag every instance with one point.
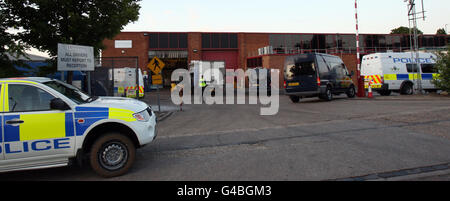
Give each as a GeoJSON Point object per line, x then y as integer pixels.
{"type": "Point", "coordinates": [137, 78]}
{"type": "Point", "coordinates": [159, 99]}
{"type": "Point", "coordinates": [361, 90]}
{"type": "Point", "coordinates": [89, 83]}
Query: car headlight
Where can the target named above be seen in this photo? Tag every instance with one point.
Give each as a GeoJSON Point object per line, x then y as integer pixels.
{"type": "Point", "coordinates": [142, 116]}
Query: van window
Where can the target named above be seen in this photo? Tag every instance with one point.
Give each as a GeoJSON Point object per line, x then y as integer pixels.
{"type": "Point", "coordinates": [428, 68]}
{"type": "Point", "coordinates": [323, 67]}
{"type": "Point", "coordinates": [338, 69]}
{"type": "Point", "coordinates": [412, 68]}
{"type": "Point", "coordinates": [304, 68]}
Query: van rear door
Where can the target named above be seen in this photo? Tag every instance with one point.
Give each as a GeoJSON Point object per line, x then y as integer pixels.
{"type": "Point", "coordinates": [301, 76]}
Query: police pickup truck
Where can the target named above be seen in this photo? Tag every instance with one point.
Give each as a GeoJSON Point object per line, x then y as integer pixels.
{"type": "Point", "coordinates": [47, 123]}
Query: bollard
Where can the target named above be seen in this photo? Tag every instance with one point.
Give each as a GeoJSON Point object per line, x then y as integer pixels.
{"type": "Point", "coordinates": [370, 90]}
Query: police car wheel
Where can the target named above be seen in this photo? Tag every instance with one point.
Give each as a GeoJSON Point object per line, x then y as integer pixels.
{"type": "Point", "coordinates": [112, 155]}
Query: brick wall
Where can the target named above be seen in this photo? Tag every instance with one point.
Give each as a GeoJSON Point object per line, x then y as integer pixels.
{"type": "Point", "coordinates": [275, 62]}
{"type": "Point", "coordinates": [351, 62]}
{"type": "Point", "coordinates": [139, 43]}
{"type": "Point", "coordinates": [194, 43]}
{"type": "Point", "coordinates": [248, 44]}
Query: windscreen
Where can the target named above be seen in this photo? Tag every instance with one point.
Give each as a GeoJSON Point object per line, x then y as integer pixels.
{"type": "Point", "coordinates": [69, 91]}
{"type": "Point", "coordinates": [300, 69]}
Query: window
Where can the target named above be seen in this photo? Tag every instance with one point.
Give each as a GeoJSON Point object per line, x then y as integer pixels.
{"type": "Point", "coordinates": [428, 68]}
{"type": "Point", "coordinates": [167, 40]}
{"type": "Point", "coordinates": [338, 70]}
{"type": "Point", "coordinates": [330, 41]}
{"type": "Point", "coordinates": [163, 40]}
{"type": "Point", "coordinates": [304, 68]}
{"type": "Point", "coordinates": [233, 41]}
{"type": "Point", "coordinates": [412, 68]}
{"type": "Point", "coordinates": [206, 40]}
{"type": "Point", "coordinates": [405, 42]}
{"type": "Point", "coordinates": [324, 72]}
{"type": "Point", "coordinates": [219, 40]}
{"type": "Point", "coordinates": [183, 40]}
{"type": "Point", "coordinates": [70, 92]}
{"type": "Point", "coordinates": [153, 40]}
{"type": "Point", "coordinates": [224, 41]}
{"type": "Point", "coordinates": [307, 41]}
{"type": "Point", "coordinates": [173, 40]}
{"type": "Point", "coordinates": [24, 98]}
{"type": "Point", "coordinates": [347, 42]}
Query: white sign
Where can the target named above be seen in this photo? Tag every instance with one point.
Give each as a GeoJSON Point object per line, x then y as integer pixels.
{"type": "Point", "coordinates": [123, 44]}
{"type": "Point", "coordinates": [75, 58]}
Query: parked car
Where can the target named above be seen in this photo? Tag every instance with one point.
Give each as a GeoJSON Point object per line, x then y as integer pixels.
{"type": "Point", "coordinates": [47, 123]}
{"type": "Point", "coordinates": [317, 75]}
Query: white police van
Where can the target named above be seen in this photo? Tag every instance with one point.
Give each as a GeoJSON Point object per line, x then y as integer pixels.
{"type": "Point", "coordinates": [47, 123]}
{"type": "Point", "coordinates": [397, 72]}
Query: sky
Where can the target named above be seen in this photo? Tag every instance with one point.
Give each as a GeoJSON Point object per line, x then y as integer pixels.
{"type": "Point", "coordinates": [284, 16]}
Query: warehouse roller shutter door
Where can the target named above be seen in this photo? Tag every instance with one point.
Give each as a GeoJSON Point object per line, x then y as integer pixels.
{"type": "Point", "coordinates": [230, 57]}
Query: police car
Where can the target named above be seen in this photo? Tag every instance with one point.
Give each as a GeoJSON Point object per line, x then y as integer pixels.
{"type": "Point", "coordinates": [397, 72]}
{"type": "Point", "coordinates": [47, 123]}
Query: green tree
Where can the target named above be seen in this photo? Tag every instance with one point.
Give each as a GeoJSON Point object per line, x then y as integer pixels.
{"type": "Point", "coordinates": [404, 30]}
{"type": "Point", "coordinates": [49, 22]}
{"type": "Point", "coordinates": [443, 68]}
{"type": "Point", "coordinates": [441, 32]}
{"type": "Point", "coordinates": [9, 46]}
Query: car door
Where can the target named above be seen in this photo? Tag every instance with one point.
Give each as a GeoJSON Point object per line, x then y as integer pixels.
{"type": "Point", "coordinates": [33, 131]}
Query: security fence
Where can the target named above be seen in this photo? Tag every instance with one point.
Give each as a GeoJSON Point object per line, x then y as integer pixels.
{"type": "Point", "coordinates": [116, 76]}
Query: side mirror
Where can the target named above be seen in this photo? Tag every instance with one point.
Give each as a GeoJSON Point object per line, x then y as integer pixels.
{"type": "Point", "coordinates": [58, 104]}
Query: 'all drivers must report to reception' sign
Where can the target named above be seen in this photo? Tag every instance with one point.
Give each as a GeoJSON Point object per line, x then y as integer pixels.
{"type": "Point", "coordinates": [75, 58]}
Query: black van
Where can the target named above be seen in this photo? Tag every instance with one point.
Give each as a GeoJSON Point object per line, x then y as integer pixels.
{"type": "Point", "coordinates": [315, 74]}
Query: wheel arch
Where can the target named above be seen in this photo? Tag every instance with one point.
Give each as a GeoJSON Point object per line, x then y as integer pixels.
{"type": "Point", "coordinates": [108, 127]}
{"type": "Point", "coordinates": [405, 83]}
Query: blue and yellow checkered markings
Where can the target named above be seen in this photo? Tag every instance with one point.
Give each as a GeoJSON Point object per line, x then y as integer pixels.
{"type": "Point", "coordinates": [59, 125]}
{"type": "Point", "coordinates": [91, 115]}
{"type": "Point", "coordinates": [411, 76]}
{"type": "Point", "coordinates": [11, 132]}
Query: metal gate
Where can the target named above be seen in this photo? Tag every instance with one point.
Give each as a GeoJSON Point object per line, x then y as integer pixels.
{"type": "Point", "coordinates": [116, 76]}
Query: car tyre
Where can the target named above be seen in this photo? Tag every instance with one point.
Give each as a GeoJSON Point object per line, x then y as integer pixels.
{"type": "Point", "coordinates": [351, 93]}
{"type": "Point", "coordinates": [112, 155]}
{"type": "Point", "coordinates": [385, 92]}
{"type": "Point", "coordinates": [295, 99]}
{"type": "Point", "coordinates": [328, 96]}
{"type": "Point", "coordinates": [407, 89]}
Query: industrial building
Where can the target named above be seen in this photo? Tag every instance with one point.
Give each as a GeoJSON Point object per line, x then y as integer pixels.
{"type": "Point", "coordinates": [248, 50]}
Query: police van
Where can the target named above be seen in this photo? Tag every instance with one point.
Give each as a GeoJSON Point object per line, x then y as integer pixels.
{"type": "Point", "coordinates": [397, 72]}
{"type": "Point", "coordinates": [47, 123]}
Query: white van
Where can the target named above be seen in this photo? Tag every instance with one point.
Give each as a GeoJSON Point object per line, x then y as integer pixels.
{"type": "Point", "coordinates": [396, 72]}
{"type": "Point", "coordinates": [125, 82]}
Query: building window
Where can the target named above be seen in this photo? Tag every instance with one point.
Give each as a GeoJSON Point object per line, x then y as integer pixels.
{"type": "Point", "coordinates": [254, 62]}
{"type": "Point", "coordinates": [168, 40]}
{"type": "Point", "coordinates": [219, 40]}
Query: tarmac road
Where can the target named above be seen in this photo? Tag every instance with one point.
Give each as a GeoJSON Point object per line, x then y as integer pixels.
{"type": "Point", "coordinates": [398, 137]}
